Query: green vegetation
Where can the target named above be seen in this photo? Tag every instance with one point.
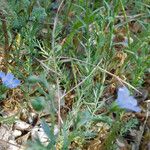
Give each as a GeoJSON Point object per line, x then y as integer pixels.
{"type": "Point", "coordinates": [71, 57]}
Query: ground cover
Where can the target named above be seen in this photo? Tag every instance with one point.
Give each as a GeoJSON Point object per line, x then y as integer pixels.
{"type": "Point", "coordinates": [74, 74]}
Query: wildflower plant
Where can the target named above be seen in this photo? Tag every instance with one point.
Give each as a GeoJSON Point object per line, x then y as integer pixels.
{"type": "Point", "coordinates": [8, 82]}
{"type": "Point", "coordinates": [66, 53]}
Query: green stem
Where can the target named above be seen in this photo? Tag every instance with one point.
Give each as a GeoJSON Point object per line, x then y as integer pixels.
{"type": "Point", "coordinates": [126, 19]}
{"type": "Point", "coordinates": [4, 27]}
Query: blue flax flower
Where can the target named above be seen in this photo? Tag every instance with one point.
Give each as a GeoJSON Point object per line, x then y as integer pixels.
{"type": "Point", "coordinates": [9, 80]}
{"type": "Point", "coordinates": [126, 101]}
{"type": "Point", "coordinates": [2, 74]}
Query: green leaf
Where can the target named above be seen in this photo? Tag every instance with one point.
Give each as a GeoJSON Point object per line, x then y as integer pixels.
{"type": "Point", "coordinates": [33, 79]}
{"type": "Point", "coordinates": [39, 13]}
{"type": "Point", "coordinates": [83, 118]}
{"type": "Point", "coordinates": [49, 132]}
{"type": "Point", "coordinates": [46, 128]}
{"type": "Point", "coordinates": [38, 103]}
{"type": "Point", "coordinates": [3, 96]}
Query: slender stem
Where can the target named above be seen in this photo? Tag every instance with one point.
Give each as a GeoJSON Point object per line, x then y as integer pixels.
{"type": "Point", "coordinates": [126, 19]}
{"type": "Point", "coordinates": [54, 59]}
{"type": "Point", "coordinates": [4, 27]}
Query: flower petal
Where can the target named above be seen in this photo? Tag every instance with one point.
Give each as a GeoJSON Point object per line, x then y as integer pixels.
{"type": "Point", "coordinates": [15, 83]}
{"type": "Point", "coordinates": [9, 77]}
{"type": "Point", "coordinates": [2, 74]}
{"type": "Point", "coordinates": [123, 92]}
{"type": "Point", "coordinates": [124, 100]}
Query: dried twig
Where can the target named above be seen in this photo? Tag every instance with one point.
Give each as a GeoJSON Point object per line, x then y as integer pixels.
{"type": "Point", "coordinates": [142, 129]}
{"type": "Point", "coordinates": [47, 68]}
{"type": "Point", "coordinates": [55, 24]}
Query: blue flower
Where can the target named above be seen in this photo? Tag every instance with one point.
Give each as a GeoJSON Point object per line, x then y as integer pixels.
{"type": "Point", "coordinates": [9, 80]}
{"type": "Point", "coordinates": [126, 101]}
{"type": "Point", "coordinates": [2, 74]}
